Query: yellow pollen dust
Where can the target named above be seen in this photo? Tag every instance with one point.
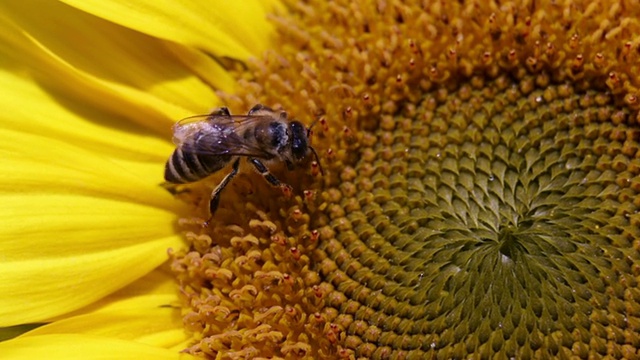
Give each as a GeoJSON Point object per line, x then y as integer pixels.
{"type": "Point", "coordinates": [479, 196]}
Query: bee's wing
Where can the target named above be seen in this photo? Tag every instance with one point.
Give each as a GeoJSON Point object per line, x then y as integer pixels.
{"type": "Point", "coordinates": [220, 134]}
{"type": "Point", "coordinates": [187, 128]}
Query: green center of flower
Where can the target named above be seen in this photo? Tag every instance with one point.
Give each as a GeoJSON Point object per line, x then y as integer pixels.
{"type": "Point", "coordinates": [497, 219]}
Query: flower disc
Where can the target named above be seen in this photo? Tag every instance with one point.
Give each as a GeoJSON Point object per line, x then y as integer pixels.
{"type": "Point", "coordinates": [493, 220]}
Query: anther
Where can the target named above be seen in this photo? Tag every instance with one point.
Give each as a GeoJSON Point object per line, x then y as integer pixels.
{"type": "Point", "coordinates": [295, 253]}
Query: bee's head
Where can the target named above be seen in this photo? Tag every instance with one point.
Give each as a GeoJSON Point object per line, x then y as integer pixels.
{"type": "Point", "coordinates": [300, 147]}
{"type": "Point", "coordinates": [299, 141]}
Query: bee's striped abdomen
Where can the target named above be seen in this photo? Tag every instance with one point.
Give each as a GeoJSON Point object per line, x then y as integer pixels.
{"type": "Point", "coordinates": [188, 164]}
{"type": "Point", "coordinates": [183, 167]}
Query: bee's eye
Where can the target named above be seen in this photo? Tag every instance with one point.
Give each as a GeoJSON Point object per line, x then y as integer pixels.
{"type": "Point", "coordinates": [277, 133]}
{"type": "Point", "coordinates": [299, 145]}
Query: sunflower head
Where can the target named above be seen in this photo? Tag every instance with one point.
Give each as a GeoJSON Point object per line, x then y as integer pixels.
{"type": "Point", "coordinates": [480, 195]}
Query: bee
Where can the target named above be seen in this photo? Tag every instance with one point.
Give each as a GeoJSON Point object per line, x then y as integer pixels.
{"type": "Point", "coordinates": [205, 144]}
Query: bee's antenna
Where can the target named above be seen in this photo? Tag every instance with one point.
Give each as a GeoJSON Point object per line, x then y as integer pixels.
{"type": "Point", "coordinates": [317, 159]}
{"type": "Point", "coordinates": [311, 127]}
{"type": "Point", "coordinates": [311, 147]}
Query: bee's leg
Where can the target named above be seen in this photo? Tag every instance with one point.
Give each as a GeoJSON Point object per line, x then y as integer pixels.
{"type": "Point", "coordinates": [174, 189]}
{"type": "Point", "coordinates": [215, 194]}
{"type": "Point", "coordinates": [271, 179]}
{"type": "Point", "coordinates": [222, 111]}
{"type": "Point", "coordinates": [257, 108]}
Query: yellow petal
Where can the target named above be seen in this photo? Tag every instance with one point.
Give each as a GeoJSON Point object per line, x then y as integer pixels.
{"type": "Point", "coordinates": [77, 346]}
{"type": "Point", "coordinates": [29, 108]}
{"type": "Point", "coordinates": [203, 65]}
{"type": "Point", "coordinates": [146, 311]}
{"type": "Point", "coordinates": [150, 319]}
{"type": "Point", "coordinates": [35, 165]}
{"type": "Point", "coordinates": [75, 55]}
{"type": "Point", "coordinates": [76, 227]}
{"type": "Point", "coordinates": [236, 29]}
{"type": "Point", "coordinates": [159, 282]}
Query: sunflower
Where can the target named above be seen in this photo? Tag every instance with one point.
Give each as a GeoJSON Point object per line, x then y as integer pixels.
{"type": "Point", "coordinates": [479, 197]}
{"type": "Point", "coordinates": [88, 103]}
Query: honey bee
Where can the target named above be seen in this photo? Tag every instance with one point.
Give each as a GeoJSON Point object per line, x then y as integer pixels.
{"type": "Point", "coordinates": [205, 144]}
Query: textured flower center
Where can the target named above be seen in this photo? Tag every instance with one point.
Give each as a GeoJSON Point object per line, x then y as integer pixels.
{"type": "Point", "coordinates": [491, 223]}
{"type": "Point", "coordinates": [479, 198]}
